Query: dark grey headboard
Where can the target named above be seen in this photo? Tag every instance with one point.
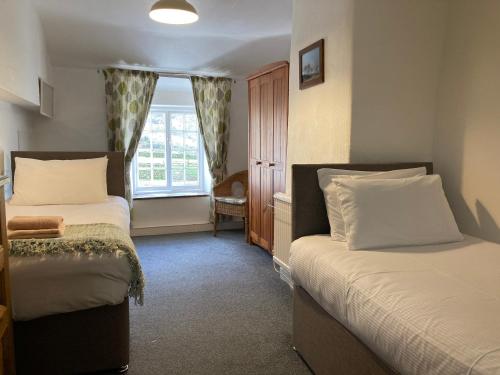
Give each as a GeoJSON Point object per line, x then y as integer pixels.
{"type": "Point", "coordinates": [116, 165]}
{"type": "Point", "coordinates": [308, 204]}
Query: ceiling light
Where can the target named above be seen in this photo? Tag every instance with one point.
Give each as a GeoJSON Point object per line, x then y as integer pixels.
{"type": "Point", "coordinates": [176, 12]}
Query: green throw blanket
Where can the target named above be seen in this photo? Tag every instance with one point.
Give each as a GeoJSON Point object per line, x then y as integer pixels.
{"type": "Point", "coordinates": [97, 239]}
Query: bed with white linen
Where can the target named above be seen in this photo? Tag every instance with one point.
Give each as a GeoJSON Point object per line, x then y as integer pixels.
{"type": "Point", "coordinates": [422, 309]}
{"type": "Point", "coordinates": [71, 310]}
{"type": "Point", "coordinates": [76, 282]}
{"type": "Point", "coordinates": [384, 281]}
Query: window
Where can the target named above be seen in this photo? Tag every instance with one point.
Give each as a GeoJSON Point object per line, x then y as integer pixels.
{"type": "Point", "coordinates": [170, 156]}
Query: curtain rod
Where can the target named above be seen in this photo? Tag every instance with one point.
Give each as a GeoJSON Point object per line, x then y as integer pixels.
{"type": "Point", "coordinates": [187, 76]}
{"type": "Point", "coordinates": [168, 74]}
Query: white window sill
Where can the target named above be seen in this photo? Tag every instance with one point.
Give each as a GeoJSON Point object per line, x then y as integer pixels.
{"type": "Point", "coordinates": [169, 195]}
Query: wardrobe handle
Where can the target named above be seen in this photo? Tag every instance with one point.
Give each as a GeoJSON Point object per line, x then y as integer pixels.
{"type": "Point", "coordinates": [272, 164]}
{"type": "Point", "coordinates": [258, 162]}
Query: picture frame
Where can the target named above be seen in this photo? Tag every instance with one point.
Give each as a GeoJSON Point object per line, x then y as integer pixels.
{"type": "Point", "coordinates": [312, 65]}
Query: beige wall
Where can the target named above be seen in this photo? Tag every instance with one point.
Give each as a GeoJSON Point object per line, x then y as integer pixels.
{"type": "Point", "coordinates": [320, 117]}
{"type": "Point", "coordinates": [406, 80]}
{"type": "Point", "coordinates": [397, 53]}
{"type": "Point", "coordinates": [467, 143]}
{"type": "Point", "coordinates": [382, 62]}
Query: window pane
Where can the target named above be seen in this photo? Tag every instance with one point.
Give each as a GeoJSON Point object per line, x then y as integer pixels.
{"type": "Point", "coordinates": [177, 121]}
{"type": "Point", "coordinates": [191, 157]}
{"type": "Point", "coordinates": [151, 152]}
{"type": "Point", "coordinates": [192, 168]}
{"type": "Point", "coordinates": [185, 151]}
{"type": "Point", "coordinates": [191, 122]}
{"type": "Point", "coordinates": [168, 154]}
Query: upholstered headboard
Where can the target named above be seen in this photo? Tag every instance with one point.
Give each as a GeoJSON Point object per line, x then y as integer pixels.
{"type": "Point", "coordinates": [116, 165]}
{"type": "Point", "coordinates": [308, 203]}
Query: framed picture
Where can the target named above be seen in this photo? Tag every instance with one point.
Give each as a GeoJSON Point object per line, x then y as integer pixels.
{"type": "Point", "coordinates": [312, 65]}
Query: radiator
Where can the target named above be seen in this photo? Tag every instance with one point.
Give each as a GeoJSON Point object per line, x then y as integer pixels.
{"type": "Point", "coordinates": [282, 235]}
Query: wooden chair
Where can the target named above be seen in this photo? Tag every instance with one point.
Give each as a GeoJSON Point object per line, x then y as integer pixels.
{"type": "Point", "coordinates": [231, 198]}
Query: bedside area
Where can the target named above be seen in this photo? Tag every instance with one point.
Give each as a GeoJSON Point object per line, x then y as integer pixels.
{"type": "Point", "coordinates": [282, 235]}
{"type": "Point", "coordinates": [7, 363]}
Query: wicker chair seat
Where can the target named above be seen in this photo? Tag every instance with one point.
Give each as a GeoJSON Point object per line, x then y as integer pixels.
{"type": "Point", "coordinates": [230, 209]}
{"type": "Point", "coordinates": [231, 200]}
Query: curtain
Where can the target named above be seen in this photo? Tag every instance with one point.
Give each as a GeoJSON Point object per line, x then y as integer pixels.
{"type": "Point", "coordinates": [128, 98]}
{"type": "Point", "coordinates": [212, 97]}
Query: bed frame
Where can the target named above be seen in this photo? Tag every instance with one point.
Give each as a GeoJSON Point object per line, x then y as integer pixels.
{"type": "Point", "coordinates": [82, 341]}
{"type": "Point", "coordinates": [324, 343]}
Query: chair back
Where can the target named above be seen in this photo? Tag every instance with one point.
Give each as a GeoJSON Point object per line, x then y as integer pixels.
{"type": "Point", "coordinates": [236, 183]}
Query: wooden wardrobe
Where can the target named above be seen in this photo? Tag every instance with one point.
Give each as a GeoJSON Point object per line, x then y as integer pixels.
{"type": "Point", "coordinates": [267, 135]}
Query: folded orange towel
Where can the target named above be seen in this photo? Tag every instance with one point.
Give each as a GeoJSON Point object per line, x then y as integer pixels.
{"type": "Point", "coordinates": [22, 234]}
{"type": "Point", "coordinates": [34, 222]}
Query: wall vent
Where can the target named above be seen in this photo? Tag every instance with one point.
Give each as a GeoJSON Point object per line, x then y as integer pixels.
{"type": "Point", "coordinates": [46, 98]}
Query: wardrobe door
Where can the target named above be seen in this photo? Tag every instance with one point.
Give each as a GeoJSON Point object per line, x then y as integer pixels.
{"type": "Point", "coordinates": [255, 159]}
{"type": "Point", "coordinates": [267, 153]}
{"type": "Point", "coordinates": [280, 128]}
{"type": "Point", "coordinates": [268, 118]}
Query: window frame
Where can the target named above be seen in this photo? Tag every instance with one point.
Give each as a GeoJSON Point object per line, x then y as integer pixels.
{"type": "Point", "coordinates": [169, 189]}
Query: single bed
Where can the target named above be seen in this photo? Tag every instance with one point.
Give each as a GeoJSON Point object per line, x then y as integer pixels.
{"type": "Point", "coordinates": [422, 309]}
{"type": "Point", "coordinates": [413, 310]}
{"type": "Point", "coordinates": [82, 325]}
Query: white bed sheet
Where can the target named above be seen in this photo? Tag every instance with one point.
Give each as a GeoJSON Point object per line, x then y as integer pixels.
{"type": "Point", "coordinates": [49, 285]}
{"type": "Point", "coordinates": [424, 309]}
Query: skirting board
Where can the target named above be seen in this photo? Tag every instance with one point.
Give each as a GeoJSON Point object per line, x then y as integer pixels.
{"type": "Point", "coordinates": [284, 271]}
{"type": "Point", "coordinates": [190, 228]}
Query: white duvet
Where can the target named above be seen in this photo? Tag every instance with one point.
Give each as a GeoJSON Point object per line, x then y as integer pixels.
{"type": "Point", "coordinates": [423, 309]}
{"type": "Point", "coordinates": [58, 284]}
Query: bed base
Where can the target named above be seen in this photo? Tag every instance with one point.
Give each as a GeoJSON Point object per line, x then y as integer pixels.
{"type": "Point", "coordinates": [326, 346]}
{"type": "Point", "coordinates": [74, 343]}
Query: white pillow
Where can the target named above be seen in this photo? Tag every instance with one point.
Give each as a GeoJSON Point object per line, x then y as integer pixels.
{"type": "Point", "coordinates": [326, 176]}
{"type": "Point", "coordinates": [397, 212]}
{"type": "Point", "coordinates": [39, 182]}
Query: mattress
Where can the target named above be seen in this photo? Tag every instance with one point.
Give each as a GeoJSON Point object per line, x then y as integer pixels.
{"type": "Point", "coordinates": [423, 309]}
{"type": "Point", "coordinates": [49, 285]}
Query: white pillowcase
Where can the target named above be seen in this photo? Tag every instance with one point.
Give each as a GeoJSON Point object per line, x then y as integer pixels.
{"type": "Point", "coordinates": [39, 182]}
{"type": "Point", "coordinates": [327, 176]}
{"type": "Point", "coordinates": [397, 212]}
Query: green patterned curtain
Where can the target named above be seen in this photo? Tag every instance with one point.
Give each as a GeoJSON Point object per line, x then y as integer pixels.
{"type": "Point", "coordinates": [128, 98]}
{"type": "Point", "coordinates": [212, 97]}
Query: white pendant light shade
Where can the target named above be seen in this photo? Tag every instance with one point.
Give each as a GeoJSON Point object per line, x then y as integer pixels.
{"type": "Point", "coordinates": [176, 12]}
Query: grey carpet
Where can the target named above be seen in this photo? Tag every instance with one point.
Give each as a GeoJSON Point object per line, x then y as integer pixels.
{"type": "Point", "coordinates": [212, 306]}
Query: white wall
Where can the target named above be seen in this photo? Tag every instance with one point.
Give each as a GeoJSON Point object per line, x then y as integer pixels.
{"type": "Point", "coordinates": [397, 54]}
{"type": "Point", "coordinates": [23, 59]}
{"type": "Point", "coordinates": [172, 97]}
{"type": "Point", "coordinates": [13, 122]}
{"type": "Point", "coordinates": [467, 148]}
{"type": "Point", "coordinates": [320, 117]}
{"type": "Point", "coordinates": [80, 124]}
{"type": "Point", "coordinates": [237, 154]}
{"type": "Point", "coordinates": [23, 56]}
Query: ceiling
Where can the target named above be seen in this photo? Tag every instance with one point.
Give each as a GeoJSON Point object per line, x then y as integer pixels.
{"type": "Point", "coordinates": [232, 37]}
